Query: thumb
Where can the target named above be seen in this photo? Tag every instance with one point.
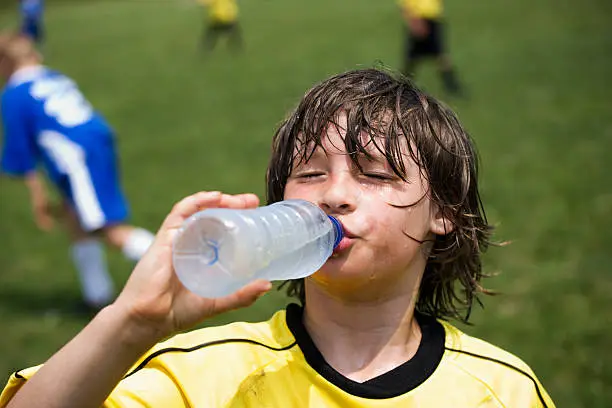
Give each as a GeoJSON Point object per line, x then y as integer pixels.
{"type": "Point", "coordinates": [243, 297]}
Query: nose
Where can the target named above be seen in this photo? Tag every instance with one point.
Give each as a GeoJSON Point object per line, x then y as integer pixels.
{"type": "Point", "coordinates": [340, 194]}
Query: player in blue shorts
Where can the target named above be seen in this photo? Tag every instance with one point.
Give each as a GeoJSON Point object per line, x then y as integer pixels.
{"type": "Point", "coordinates": [49, 124]}
{"type": "Point", "coordinates": [32, 23]}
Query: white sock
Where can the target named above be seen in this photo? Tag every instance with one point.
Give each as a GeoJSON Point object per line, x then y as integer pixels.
{"type": "Point", "coordinates": [137, 244]}
{"type": "Point", "coordinates": [89, 258]}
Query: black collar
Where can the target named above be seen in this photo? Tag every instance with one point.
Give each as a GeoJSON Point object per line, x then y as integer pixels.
{"type": "Point", "coordinates": [391, 384]}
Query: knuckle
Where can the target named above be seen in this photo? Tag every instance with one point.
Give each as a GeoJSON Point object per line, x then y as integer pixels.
{"type": "Point", "coordinates": [178, 205]}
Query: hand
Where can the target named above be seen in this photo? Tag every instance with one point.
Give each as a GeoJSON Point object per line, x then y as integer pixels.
{"type": "Point", "coordinates": [418, 27]}
{"type": "Point", "coordinates": [154, 298]}
{"type": "Point", "coordinates": [40, 203]}
{"type": "Point", "coordinates": [43, 215]}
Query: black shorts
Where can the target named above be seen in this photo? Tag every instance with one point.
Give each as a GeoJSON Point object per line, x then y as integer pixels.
{"type": "Point", "coordinates": [428, 46]}
{"type": "Point", "coordinates": [222, 26]}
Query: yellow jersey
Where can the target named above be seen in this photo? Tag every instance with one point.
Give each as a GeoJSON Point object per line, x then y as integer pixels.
{"type": "Point", "coordinates": [276, 364]}
{"type": "Point", "coordinates": [430, 9]}
{"type": "Point", "coordinates": [222, 11]}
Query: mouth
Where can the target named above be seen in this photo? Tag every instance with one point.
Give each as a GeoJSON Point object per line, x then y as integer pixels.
{"type": "Point", "coordinates": [343, 245]}
{"type": "Point", "coordinates": [346, 241]}
{"type": "Point", "coordinates": [346, 231]}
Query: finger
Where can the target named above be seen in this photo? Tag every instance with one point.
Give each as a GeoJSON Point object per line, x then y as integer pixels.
{"type": "Point", "coordinates": [244, 297]}
{"type": "Point", "coordinates": [189, 206]}
{"type": "Point", "coordinates": [49, 222]}
{"type": "Point", "coordinates": [44, 222]}
{"type": "Point", "coordinates": [238, 201]}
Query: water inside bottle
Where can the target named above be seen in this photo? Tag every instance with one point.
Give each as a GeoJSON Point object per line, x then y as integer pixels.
{"type": "Point", "coordinates": [210, 251]}
{"type": "Point", "coordinates": [218, 251]}
{"type": "Point", "coordinates": [300, 263]}
{"type": "Point", "coordinates": [199, 256]}
{"type": "Point", "coordinates": [302, 247]}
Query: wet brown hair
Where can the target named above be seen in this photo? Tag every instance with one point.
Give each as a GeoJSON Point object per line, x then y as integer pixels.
{"type": "Point", "coordinates": [394, 113]}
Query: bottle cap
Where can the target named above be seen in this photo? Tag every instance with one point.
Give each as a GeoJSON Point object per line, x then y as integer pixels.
{"type": "Point", "coordinates": [338, 229]}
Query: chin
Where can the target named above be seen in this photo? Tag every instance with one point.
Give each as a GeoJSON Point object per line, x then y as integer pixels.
{"type": "Point", "coordinates": [338, 270]}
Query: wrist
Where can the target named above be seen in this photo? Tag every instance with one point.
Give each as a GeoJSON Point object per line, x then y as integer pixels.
{"type": "Point", "coordinates": [132, 332]}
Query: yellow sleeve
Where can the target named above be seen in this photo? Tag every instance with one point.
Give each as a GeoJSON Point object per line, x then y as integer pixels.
{"type": "Point", "coordinates": [547, 400]}
{"type": "Point", "coordinates": [150, 388]}
{"type": "Point", "coordinates": [15, 383]}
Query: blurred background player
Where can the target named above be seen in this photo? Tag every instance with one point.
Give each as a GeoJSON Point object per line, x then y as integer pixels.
{"type": "Point", "coordinates": [47, 121]}
{"type": "Point", "coordinates": [425, 39]}
{"type": "Point", "coordinates": [32, 24]}
{"type": "Point", "coordinates": [222, 21]}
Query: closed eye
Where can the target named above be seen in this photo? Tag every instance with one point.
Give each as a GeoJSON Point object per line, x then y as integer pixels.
{"type": "Point", "coordinates": [379, 176]}
{"type": "Point", "coordinates": [309, 175]}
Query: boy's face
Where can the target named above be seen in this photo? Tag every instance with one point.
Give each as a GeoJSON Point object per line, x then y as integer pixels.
{"type": "Point", "coordinates": [377, 249]}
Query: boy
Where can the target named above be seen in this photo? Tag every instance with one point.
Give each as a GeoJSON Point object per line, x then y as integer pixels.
{"type": "Point", "coordinates": [47, 121]}
{"type": "Point", "coordinates": [32, 24]}
{"type": "Point", "coordinates": [399, 172]}
{"type": "Point", "coordinates": [425, 39]}
{"type": "Point", "coordinates": [222, 20]}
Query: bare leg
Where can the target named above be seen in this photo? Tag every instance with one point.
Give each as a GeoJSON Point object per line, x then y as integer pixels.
{"type": "Point", "coordinates": [235, 37]}
{"type": "Point", "coordinates": [132, 241]}
{"type": "Point", "coordinates": [88, 256]}
{"type": "Point", "coordinates": [209, 37]}
{"type": "Point", "coordinates": [448, 75]}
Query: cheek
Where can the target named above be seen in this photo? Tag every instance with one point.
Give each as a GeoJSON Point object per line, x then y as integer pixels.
{"type": "Point", "coordinates": [391, 237]}
{"type": "Point", "coordinates": [394, 250]}
{"type": "Point", "coordinates": [294, 190]}
{"type": "Point", "coordinates": [391, 233]}
{"type": "Point", "coordinates": [383, 233]}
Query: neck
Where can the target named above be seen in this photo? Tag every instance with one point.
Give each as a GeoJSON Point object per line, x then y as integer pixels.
{"type": "Point", "coordinates": [362, 339]}
{"type": "Point", "coordinates": [28, 63]}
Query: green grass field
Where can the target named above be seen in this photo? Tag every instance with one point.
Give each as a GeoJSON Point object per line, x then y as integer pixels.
{"type": "Point", "coordinates": [538, 80]}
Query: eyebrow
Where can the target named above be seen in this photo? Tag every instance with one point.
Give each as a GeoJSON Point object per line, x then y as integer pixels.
{"type": "Point", "coordinates": [361, 159]}
{"type": "Point", "coordinates": [374, 155]}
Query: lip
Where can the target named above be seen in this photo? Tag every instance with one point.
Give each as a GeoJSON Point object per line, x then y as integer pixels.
{"type": "Point", "coordinates": [345, 231]}
{"type": "Point", "coordinates": [344, 244]}
{"type": "Point", "coordinates": [347, 239]}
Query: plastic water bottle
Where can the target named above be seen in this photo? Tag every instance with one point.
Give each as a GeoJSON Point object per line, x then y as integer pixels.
{"type": "Point", "coordinates": [219, 250]}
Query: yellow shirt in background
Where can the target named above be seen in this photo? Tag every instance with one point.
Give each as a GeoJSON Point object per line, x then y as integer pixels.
{"type": "Point", "coordinates": [222, 11]}
{"type": "Point", "coordinates": [430, 9]}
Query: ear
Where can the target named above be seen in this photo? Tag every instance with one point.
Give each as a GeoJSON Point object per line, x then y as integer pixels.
{"type": "Point", "coordinates": [440, 224]}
